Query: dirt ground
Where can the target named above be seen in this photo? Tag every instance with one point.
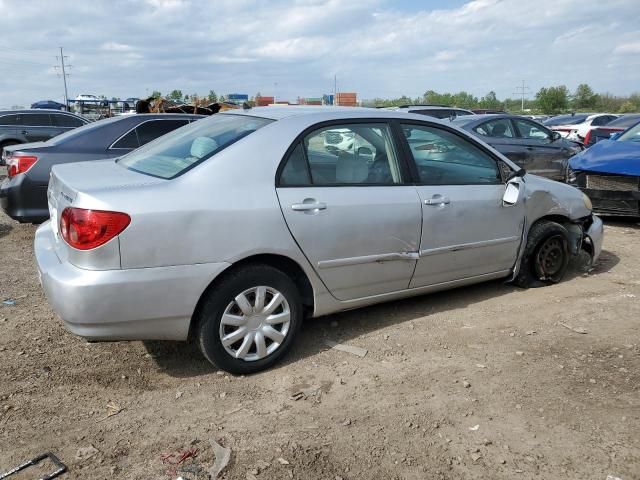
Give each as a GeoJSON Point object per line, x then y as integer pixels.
{"type": "Point", "coordinates": [481, 382]}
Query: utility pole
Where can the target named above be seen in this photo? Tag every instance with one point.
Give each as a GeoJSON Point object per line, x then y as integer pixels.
{"type": "Point", "coordinates": [524, 90]}
{"type": "Point", "coordinates": [335, 90]}
{"type": "Point", "coordinates": [64, 76]}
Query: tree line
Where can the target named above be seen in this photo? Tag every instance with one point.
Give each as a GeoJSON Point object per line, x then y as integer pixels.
{"type": "Point", "coordinates": [547, 100]}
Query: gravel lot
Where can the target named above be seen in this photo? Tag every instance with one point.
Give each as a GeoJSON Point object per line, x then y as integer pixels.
{"type": "Point", "coordinates": [482, 382]}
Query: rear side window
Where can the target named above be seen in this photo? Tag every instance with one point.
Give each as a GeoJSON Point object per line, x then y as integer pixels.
{"type": "Point", "coordinates": [130, 140]}
{"type": "Point", "coordinates": [8, 120]}
{"type": "Point", "coordinates": [36, 120]}
{"type": "Point", "coordinates": [531, 130]}
{"type": "Point", "coordinates": [66, 121]}
{"type": "Point", "coordinates": [350, 154]}
{"type": "Point", "coordinates": [182, 149]}
{"type": "Point", "coordinates": [499, 128]}
{"type": "Point", "coordinates": [156, 128]}
{"type": "Point", "coordinates": [443, 158]}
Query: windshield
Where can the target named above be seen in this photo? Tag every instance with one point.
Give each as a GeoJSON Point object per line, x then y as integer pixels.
{"type": "Point", "coordinates": [178, 151]}
{"type": "Point", "coordinates": [461, 121]}
{"type": "Point", "coordinates": [565, 120]}
{"type": "Point", "coordinates": [631, 135]}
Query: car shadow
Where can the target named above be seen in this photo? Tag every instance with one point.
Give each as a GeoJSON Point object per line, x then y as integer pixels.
{"type": "Point", "coordinates": [624, 222]}
{"type": "Point", "coordinates": [179, 359]}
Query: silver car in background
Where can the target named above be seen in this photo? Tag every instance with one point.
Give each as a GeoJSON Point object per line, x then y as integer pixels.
{"type": "Point", "coordinates": [231, 230]}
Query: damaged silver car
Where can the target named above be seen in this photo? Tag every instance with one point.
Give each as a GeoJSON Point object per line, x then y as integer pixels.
{"type": "Point", "coordinates": [231, 230]}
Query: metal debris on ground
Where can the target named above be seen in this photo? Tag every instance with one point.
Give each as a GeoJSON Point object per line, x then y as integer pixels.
{"type": "Point", "coordinates": [9, 301]}
{"type": "Point", "coordinates": [60, 467]}
{"type": "Point", "coordinates": [360, 352]}
{"type": "Point", "coordinates": [223, 455]}
{"type": "Point", "coordinates": [112, 409]}
{"type": "Point", "coordinates": [573, 329]}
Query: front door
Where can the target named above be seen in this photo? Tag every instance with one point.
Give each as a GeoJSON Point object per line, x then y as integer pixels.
{"type": "Point", "coordinates": [545, 157]}
{"type": "Point", "coordinates": [344, 200]}
{"type": "Point", "coordinates": [36, 127]}
{"type": "Point", "coordinates": [466, 230]}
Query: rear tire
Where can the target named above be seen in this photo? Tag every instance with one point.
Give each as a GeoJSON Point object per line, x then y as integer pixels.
{"type": "Point", "coordinates": [546, 255]}
{"type": "Point", "coordinates": [249, 320]}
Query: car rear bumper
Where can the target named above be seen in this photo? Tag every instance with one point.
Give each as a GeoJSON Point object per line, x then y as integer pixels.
{"type": "Point", "coordinates": [611, 202]}
{"type": "Point", "coordinates": [132, 304]}
{"type": "Point", "coordinates": [13, 199]}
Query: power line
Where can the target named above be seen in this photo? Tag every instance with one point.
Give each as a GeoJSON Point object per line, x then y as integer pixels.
{"type": "Point", "coordinates": [524, 91]}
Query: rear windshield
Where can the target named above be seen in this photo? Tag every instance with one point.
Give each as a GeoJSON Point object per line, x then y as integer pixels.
{"type": "Point", "coordinates": [624, 122]}
{"type": "Point", "coordinates": [565, 120]}
{"type": "Point", "coordinates": [80, 131]}
{"type": "Point", "coordinates": [178, 151]}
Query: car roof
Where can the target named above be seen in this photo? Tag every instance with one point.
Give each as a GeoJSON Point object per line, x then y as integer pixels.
{"type": "Point", "coordinates": [37, 110]}
{"type": "Point", "coordinates": [325, 113]}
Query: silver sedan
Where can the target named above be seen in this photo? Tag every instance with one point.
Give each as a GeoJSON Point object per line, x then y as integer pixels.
{"type": "Point", "coordinates": [231, 230]}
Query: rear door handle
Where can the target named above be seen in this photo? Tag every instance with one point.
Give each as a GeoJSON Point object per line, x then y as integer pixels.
{"type": "Point", "coordinates": [437, 200]}
{"type": "Point", "coordinates": [306, 207]}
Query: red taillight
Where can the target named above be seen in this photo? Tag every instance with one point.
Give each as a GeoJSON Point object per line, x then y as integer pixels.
{"type": "Point", "coordinates": [87, 229]}
{"type": "Point", "coordinates": [587, 138]}
{"type": "Point", "coordinates": [19, 164]}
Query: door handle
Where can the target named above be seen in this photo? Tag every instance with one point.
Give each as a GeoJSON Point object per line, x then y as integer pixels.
{"type": "Point", "coordinates": [529, 148]}
{"type": "Point", "coordinates": [437, 200]}
{"type": "Point", "coordinates": [306, 207]}
{"type": "Point", "coordinates": [24, 132]}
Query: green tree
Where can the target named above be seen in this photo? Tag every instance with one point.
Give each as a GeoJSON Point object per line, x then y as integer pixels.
{"type": "Point", "coordinates": [553, 99]}
{"type": "Point", "coordinates": [155, 94]}
{"type": "Point", "coordinates": [175, 95]}
{"type": "Point", "coordinates": [627, 107]}
{"type": "Point", "coordinates": [212, 97]}
{"type": "Point", "coordinates": [490, 100]}
{"type": "Point", "coordinates": [584, 97]}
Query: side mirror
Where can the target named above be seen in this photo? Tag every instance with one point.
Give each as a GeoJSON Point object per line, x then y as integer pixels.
{"type": "Point", "coordinates": [511, 194]}
{"type": "Point", "coordinates": [365, 151]}
{"type": "Point", "coordinates": [555, 136]}
{"type": "Point", "coordinates": [516, 174]}
{"type": "Point", "coordinates": [614, 136]}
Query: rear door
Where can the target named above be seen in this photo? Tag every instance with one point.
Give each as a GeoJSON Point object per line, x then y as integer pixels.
{"type": "Point", "coordinates": [544, 156]}
{"type": "Point", "coordinates": [36, 127]}
{"type": "Point", "coordinates": [467, 232]}
{"type": "Point", "coordinates": [350, 210]}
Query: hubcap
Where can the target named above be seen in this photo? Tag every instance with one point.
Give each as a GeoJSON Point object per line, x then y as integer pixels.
{"type": "Point", "coordinates": [550, 258]}
{"type": "Point", "coordinates": [255, 323]}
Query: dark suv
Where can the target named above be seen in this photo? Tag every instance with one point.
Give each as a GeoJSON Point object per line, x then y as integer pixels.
{"type": "Point", "coordinates": [35, 125]}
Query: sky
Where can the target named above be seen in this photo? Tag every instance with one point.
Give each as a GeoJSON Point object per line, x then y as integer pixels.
{"type": "Point", "coordinates": [377, 48]}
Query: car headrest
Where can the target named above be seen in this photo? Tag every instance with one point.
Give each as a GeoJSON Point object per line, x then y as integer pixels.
{"type": "Point", "coordinates": [203, 146]}
{"type": "Point", "coordinates": [351, 169]}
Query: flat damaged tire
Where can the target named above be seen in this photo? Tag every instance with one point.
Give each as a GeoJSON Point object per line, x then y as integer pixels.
{"type": "Point", "coordinates": [546, 255]}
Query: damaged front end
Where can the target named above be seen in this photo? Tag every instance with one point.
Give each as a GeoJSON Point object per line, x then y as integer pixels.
{"type": "Point", "coordinates": [586, 237]}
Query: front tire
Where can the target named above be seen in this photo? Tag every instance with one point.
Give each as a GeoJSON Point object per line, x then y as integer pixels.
{"type": "Point", "coordinates": [546, 255]}
{"type": "Point", "coordinates": [249, 320]}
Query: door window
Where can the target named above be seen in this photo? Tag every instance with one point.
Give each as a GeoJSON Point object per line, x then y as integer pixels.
{"type": "Point", "coordinates": [36, 120]}
{"type": "Point", "coordinates": [344, 155]}
{"type": "Point", "coordinates": [532, 130]}
{"type": "Point", "coordinates": [498, 128]}
{"type": "Point", "coordinates": [444, 158]}
{"type": "Point", "coordinates": [130, 140]}
{"type": "Point", "coordinates": [9, 120]}
{"type": "Point", "coordinates": [66, 121]}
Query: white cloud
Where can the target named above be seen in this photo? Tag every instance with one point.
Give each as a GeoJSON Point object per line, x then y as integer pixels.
{"type": "Point", "coordinates": [116, 47]}
{"type": "Point", "coordinates": [632, 48]}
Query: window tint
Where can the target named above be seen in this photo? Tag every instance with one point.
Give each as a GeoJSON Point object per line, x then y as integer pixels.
{"type": "Point", "coordinates": [156, 128]}
{"type": "Point", "coordinates": [177, 151]}
{"type": "Point", "coordinates": [499, 128]}
{"type": "Point", "coordinates": [443, 158]}
{"type": "Point", "coordinates": [349, 154]}
{"type": "Point", "coordinates": [531, 130]}
{"type": "Point", "coordinates": [36, 119]}
{"type": "Point", "coordinates": [8, 120]}
{"type": "Point", "coordinates": [624, 122]}
{"type": "Point", "coordinates": [66, 121]}
{"type": "Point", "coordinates": [130, 140]}
{"type": "Point", "coordinates": [295, 171]}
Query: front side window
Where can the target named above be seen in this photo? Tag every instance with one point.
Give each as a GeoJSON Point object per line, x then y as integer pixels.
{"type": "Point", "coordinates": [182, 149]}
{"type": "Point", "coordinates": [444, 158]}
{"type": "Point", "coordinates": [66, 121]}
{"type": "Point", "coordinates": [344, 155]}
{"type": "Point", "coordinates": [36, 120]}
{"type": "Point", "coordinates": [531, 130]}
{"type": "Point", "coordinates": [499, 128]}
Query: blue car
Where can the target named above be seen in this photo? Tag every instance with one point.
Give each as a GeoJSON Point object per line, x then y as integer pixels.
{"type": "Point", "coordinates": [609, 173]}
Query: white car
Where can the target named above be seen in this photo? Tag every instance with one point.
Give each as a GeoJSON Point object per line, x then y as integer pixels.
{"type": "Point", "coordinates": [87, 98]}
{"type": "Point", "coordinates": [577, 125]}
